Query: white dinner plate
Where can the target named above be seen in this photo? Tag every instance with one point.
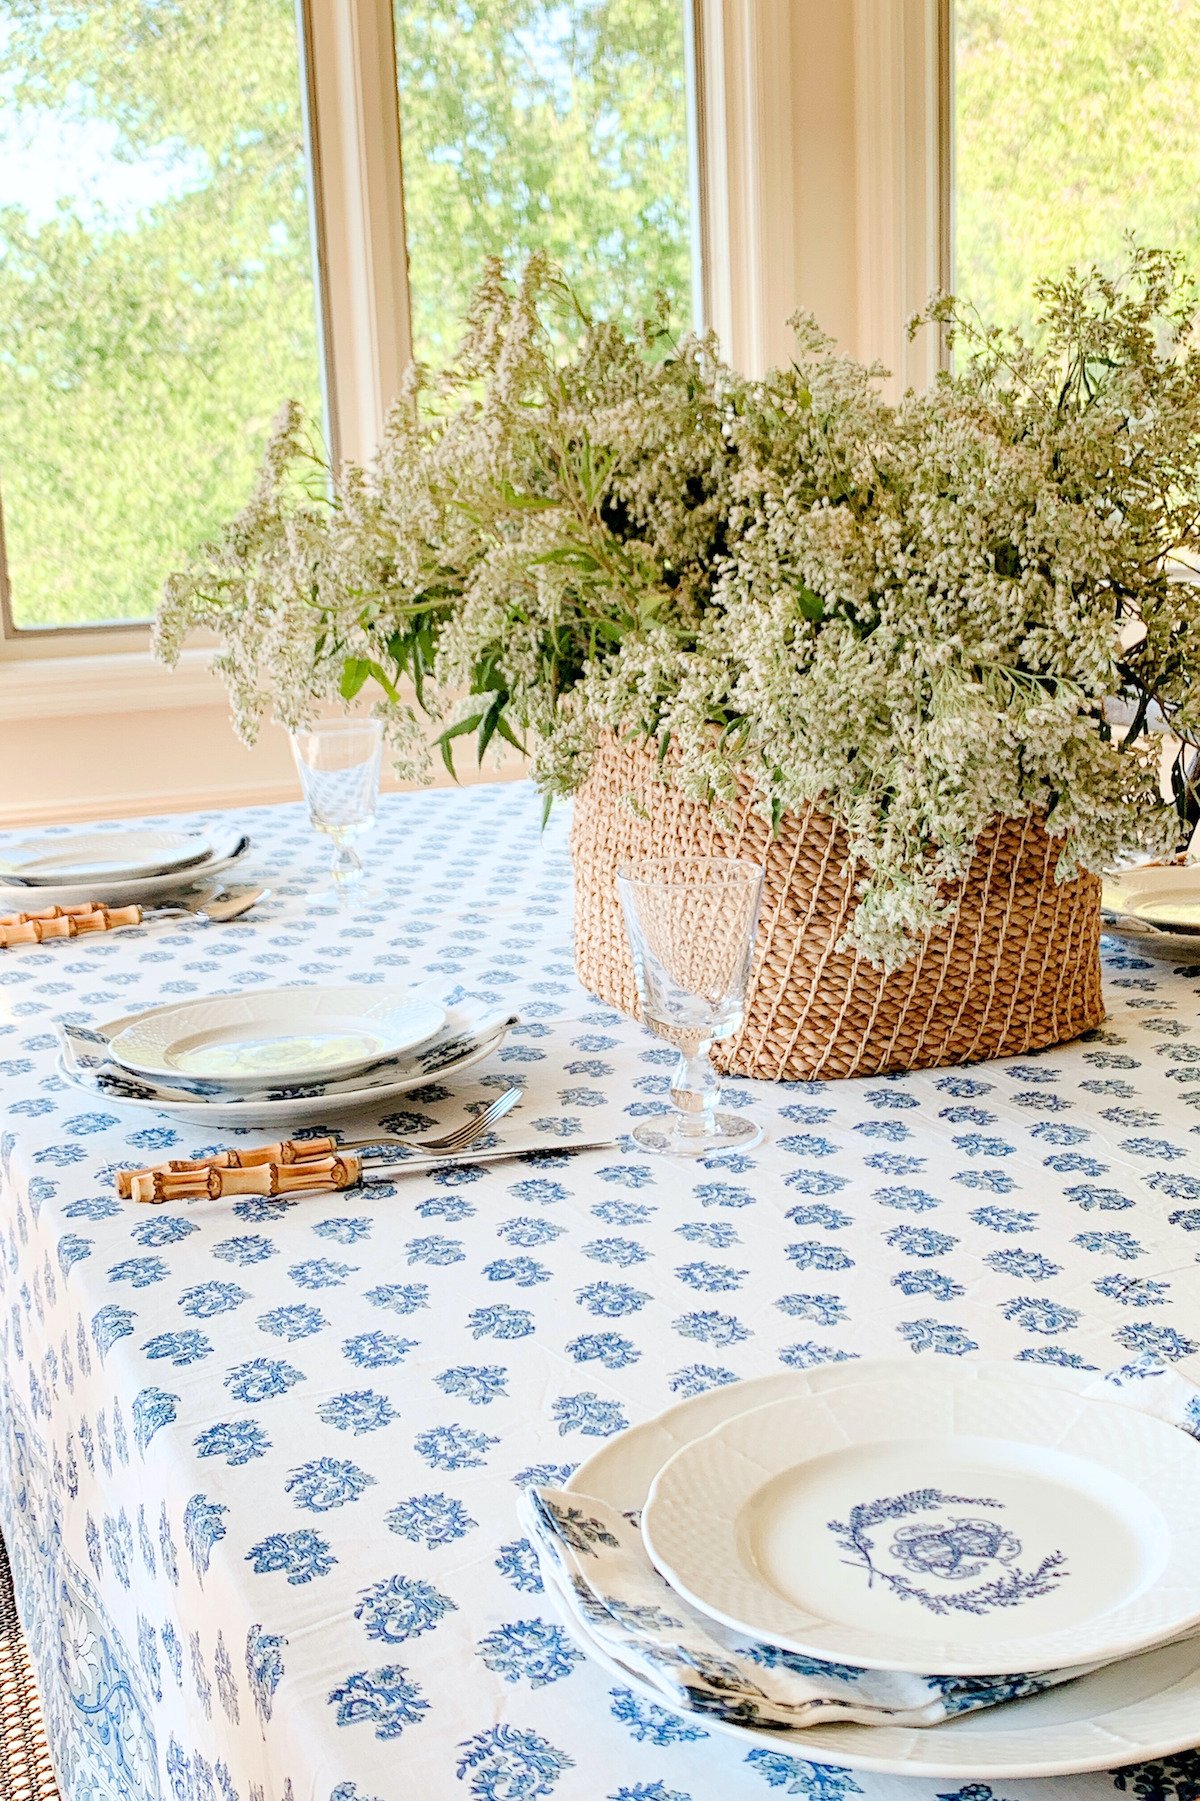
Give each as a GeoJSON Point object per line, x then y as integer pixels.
{"type": "Point", "coordinates": [953, 1524]}
{"type": "Point", "coordinates": [144, 890]}
{"type": "Point", "coordinates": [1144, 1708]}
{"type": "Point", "coordinates": [117, 856]}
{"type": "Point", "coordinates": [276, 1035]}
{"type": "Point", "coordinates": [1159, 905]}
{"type": "Point", "coordinates": [299, 1109]}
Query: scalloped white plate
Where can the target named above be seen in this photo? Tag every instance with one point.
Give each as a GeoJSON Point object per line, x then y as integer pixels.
{"type": "Point", "coordinates": [954, 1523]}
{"type": "Point", "coordinates": [1146, 1707]}
{"type": "Point", "coordinates": [116, 856]}
{"type": "Point", "coordinates": [267, 1036]}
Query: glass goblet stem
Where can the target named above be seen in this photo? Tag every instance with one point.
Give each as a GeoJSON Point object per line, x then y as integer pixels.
{"type": "Point", "coordinates": [695, 1091]}
{"type": "Point", "coordinates": [346, 867]}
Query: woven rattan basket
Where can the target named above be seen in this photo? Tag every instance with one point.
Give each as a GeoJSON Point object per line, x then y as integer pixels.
{"type": "Point", "coordinates": [1017, 969]}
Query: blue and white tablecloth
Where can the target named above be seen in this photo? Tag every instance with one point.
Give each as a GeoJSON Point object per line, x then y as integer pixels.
{"type": "Point", "coordinates": [260, 1461]}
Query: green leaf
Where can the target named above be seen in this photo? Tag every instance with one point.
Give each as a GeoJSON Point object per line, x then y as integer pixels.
{"type": "Point", "coordinates": [525, 503]}
{"type": "Point", "coordinates": [811, 605]}
{"type": "Point", "coordinates": [573, 554]}
{"type": "Point", "coordinates": [355, 671]}
{"type": "Point", "coordinates": [446, 738]}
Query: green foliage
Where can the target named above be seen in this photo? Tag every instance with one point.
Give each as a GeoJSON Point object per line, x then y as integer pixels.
{"type": "Point", "coordinates": [920, 616]}
{"type": "Point", "coordinates": [1074, 123]}
{"type": "Point", "coordinates": [144, 350]}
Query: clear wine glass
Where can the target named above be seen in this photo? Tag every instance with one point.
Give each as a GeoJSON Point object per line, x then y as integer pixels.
{"type": "Point", "coordinates": [691, 926]}
{"type": "Point", "coordinates": [339, 771]}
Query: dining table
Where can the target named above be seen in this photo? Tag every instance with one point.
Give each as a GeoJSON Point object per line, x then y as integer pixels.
{"type": "Point", "coordinates": [260, 1459]}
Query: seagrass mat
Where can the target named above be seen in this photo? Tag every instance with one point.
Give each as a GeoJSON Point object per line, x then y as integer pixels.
{"type": "Point", "coordinates": [26, 1773]}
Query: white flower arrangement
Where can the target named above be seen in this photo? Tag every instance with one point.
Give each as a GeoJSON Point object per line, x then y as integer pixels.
{"type": "Point", "coordinates": [920, 615]}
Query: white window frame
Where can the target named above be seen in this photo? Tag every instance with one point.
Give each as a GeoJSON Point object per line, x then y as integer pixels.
{"type": "Point", "coordinates": [821, 178]}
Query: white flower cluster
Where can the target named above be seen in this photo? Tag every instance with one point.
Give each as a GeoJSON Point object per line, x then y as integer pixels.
{"type": "Point", "coordinates": [918, 616]}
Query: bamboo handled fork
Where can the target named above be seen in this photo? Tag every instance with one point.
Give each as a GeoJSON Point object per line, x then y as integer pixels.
{"type": "Point", "coordinates": [294, 1164]}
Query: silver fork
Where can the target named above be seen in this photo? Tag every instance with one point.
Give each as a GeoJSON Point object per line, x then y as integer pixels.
{"type": "Point", "coordinates": [468, 1133]}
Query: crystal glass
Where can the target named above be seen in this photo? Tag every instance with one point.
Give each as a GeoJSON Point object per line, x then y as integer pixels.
{"type": "Point", "coordinates": [339, 771]}
{"type": "Point", "coordinates": [691, 928]}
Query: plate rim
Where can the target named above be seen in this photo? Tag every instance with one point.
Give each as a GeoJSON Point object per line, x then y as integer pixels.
{"type": "Point", "coordinates": [145, 889]}
{"type": "Point", "coordinates": [235, 1084]}
{"type": "Point", "coordinates": [1025, 1655]}
{"type": "Point", "coordinates": [152, 866]}
{"type": "Point", "coordinates": [853, 1746]}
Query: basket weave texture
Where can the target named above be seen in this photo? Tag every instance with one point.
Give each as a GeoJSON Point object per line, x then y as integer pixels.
{"type": "Point", "coordinates": [1017, 969]}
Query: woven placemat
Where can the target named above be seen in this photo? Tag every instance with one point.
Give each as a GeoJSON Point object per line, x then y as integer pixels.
{"type": "Point", "coordinates": [26, 1773]}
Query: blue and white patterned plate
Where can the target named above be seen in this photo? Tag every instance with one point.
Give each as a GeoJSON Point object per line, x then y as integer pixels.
{"type": "Point", "coordinates": [1144, 1708]}
{"type": "Point", "coordinates": [957, 1524]}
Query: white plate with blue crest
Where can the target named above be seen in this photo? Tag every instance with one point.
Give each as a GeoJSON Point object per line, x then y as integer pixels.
{"type": "Point", "coordinates": [952, 1524]}
{"type": "Point", "coordinates": [1145, 1707]}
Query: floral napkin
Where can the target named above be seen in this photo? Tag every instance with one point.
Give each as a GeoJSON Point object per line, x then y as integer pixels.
{"type": "Point", "coordinates": [593, 1560]}
{"type": "Point", "coordinates": [468, 1028]}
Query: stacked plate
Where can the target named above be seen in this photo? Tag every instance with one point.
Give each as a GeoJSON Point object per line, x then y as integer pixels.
{"type": "Point", "coordinates": [65, 869]}
{"type": "Point", "coordinates": [1023, 1533]}
{"type": "Point", "coordinates": [1157, 907]}
{"type": "Point", "coordinates": [266, 1055]}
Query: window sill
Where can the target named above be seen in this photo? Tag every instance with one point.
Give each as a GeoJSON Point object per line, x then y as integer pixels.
{"type": "Point", "coordinates": [120, 682]}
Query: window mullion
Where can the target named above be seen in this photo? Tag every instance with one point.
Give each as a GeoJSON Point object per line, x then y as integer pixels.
{"type": "Point", "coordinates": [358, 200]}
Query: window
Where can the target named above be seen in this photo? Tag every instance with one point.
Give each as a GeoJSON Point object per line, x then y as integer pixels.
{"type": "Point", "coordinates": [537, 124]}
{"type": "Point", "coordinates": [157, 292]}
{"type": "Point", "coordinates": [156, 286]}
{"type": "Point", "coordinates": [1073, 124]}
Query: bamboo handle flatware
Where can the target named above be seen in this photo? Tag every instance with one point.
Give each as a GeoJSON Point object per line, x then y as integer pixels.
{"type": "Point", "coordinates": [314, 1156]}
{"type": "Point", "coordinates": [93, 916]}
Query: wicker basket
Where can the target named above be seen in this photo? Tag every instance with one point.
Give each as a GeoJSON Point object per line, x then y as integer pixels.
{"type": "Point", "coordinates": [1017, 969]}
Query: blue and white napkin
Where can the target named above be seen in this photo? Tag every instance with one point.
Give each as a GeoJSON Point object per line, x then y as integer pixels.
{"type": "Point", "coordinates": [593, 1560]}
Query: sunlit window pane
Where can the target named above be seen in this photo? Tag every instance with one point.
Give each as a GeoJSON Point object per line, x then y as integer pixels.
{"type": "Point", "coordinates": [542, 124]}
{"type": "Point", "coordinates": [156, 288]}
{"type": "Point", "coordinates": [1075, 121]}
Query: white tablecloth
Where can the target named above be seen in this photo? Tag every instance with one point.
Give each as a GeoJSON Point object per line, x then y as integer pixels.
{"type": "Point", "coordinates": [261, 1461]}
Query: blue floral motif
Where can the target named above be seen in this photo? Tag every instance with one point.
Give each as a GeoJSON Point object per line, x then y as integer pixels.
{"type": "Point", "coordinates": [203, 1527]}
{"type": "Point", "coordinates": [954, 1549]}
{"type": "Point", "coordinates": [928, 1281]}
{"type": "Point", "coordinates": [812, 1254]}
{"type": "Point", "coordinates": [710, 1327]}
{"type": "Point", "coordinates": [110, 1324]}
{"type": "Point", "coordinates": [588, 1414]}
{"type": "Point", "coordinates": [500, 1321]}
{"type": "Point", "coordinates": [386, 1699]}
{"type": "Point", "coordinates": [237, 1441]}
{"type": "Point", "coordinates": [206, 1299]}
{"type": "Point", "coordinates": [180, 1348]}
{"type": "Point", "coordinates": [648, 1723]}
{"type": "Point", "coordinates": [611, 1349]}
{"type": "Point", "coordinates": [262, 1379]}
{"type": "Point", "coordinates": [294, 1322]}
{"type": "Point", "coordinates": [430, 1520]}
{"type": "Point", "coordinates": [517, 1563]}
{"type": "Point", "coordinates": [376, 1350]}
{"type": "Point", "coordinates": [325, 1483]}
{"type": "Point", "coordinates": [502, 1763]}
{"type": "Point", "coordinates": [400, 1608]}
{"type": "Point", "coordinates": [153, 1408]}
{"type": "Point", "coordinates": [530, 1650]}
{"type": "Point", "coordinates": [697, 1377]}
{"type": "Point", "coordinates": [936, 1335]}
{"type": "Point", "coordinates": [1036, 1314]}
{"type": "Point", "coordinates": [796, 1776]}
{"type": "Point", "coordinates": [477, 1383]}
{"type": "Point", "coordinates": [1160, 1341]}
{"type": "Point", "coordinates": [609, 1300]}
{"type": "Point", "coordinates": [454, 1447]}
{"type": "Point", "coordinates": [400, 1297]}
{"type": "Point", "coordinates": [362, 1410]}
{"type": "Point", "coordinates": [301, 1556]}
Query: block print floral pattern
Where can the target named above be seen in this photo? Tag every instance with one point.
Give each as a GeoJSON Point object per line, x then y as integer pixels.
{"type": "Point", "coordinates": [224, 1421]}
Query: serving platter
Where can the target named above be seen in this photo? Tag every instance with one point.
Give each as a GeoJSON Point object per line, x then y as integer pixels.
{"type": "Point", "coordinates": [1146, 1707]}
